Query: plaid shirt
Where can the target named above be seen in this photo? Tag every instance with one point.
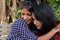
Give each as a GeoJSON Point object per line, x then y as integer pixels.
{"type": "Point", "coordinates": [20, 31]}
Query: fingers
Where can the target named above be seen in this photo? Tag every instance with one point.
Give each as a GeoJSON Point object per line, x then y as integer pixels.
{"type": "Point", "coordinates": [58, 27]}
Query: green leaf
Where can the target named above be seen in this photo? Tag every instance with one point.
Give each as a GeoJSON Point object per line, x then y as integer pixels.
{"type": "Point", "coordinates": [19, 11]}
{"type": "Point", "coordinates": [57, 14]}
{"type": "Point", "coordinates": [18, 14]}
{"type": "Point", "coordinates": [55, 4]}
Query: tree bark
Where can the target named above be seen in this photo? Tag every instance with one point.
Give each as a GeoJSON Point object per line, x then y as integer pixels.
{"type": "Point", "coordinates": [2, 2]}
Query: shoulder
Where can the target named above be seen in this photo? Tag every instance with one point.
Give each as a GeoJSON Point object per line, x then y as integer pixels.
{"type": "Point", "coordinates": [19, 21]}
{"type": "Point", "coordinates": [19, 24]}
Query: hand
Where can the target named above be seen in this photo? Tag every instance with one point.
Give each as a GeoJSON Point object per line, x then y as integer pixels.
{"type": "Point", "coordinates": [58, 27]}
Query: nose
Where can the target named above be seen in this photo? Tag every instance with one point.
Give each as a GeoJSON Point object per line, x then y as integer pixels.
{"type": "Point", "coordinates": [25, 17]}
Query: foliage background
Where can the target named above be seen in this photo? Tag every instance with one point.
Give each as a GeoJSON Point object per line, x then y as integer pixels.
{"type": "Point", "coordinates": [12, 9]}
{"type": "Point", "coordinates": [55, 4]}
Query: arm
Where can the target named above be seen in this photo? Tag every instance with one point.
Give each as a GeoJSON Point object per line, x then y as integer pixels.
{"type": "Point", "coordinates": [50, 34]}
{"type": "Point", "coordinates": [20, 31]}
{"type": "Point", "coordinates": [13, 31]}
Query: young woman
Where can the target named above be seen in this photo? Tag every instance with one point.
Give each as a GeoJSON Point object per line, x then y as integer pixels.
{"type": "Point", "coordinates": [26, 14]}
{"type": "Point", "coordinates": [50, 12]}
{"type": "Point", "coordinates": [20, 30]}
{"type": "Point", "coordinates": [45, 20]}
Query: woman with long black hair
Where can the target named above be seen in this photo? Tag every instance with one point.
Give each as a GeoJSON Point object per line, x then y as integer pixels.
{"type": "Point", "coordinates": [45, 22]}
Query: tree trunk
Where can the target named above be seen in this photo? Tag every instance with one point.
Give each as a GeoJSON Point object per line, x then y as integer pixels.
{"type": "Point", "coordinates": [2, 10]}
{"type": "Point", "coordinates": [14, 10]}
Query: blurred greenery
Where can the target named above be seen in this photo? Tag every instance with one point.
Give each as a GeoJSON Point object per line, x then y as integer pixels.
{"type": "Point", "coordinates": [18, 14]}
{"type": "Point", "coordinates": [55, 4]}
{"type": "Point", "coordinates": [7, 1]}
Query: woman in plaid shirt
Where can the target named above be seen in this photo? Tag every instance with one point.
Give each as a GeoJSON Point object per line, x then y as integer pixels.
{"type": "Point", "coordinates": [20, 31]}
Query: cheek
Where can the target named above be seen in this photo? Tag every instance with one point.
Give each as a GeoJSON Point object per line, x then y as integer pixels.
{"type": "Point", "coordinates": [24, 17]}
{"type": "Point", "coordinates": [30, 17]}
{"type": "Point", "coordinates": [38, 24]}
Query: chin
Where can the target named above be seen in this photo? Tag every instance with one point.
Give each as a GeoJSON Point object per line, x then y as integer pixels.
{"type": "Point", "coordinates": [38, 27]}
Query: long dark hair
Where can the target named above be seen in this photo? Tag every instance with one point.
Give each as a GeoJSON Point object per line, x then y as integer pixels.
{"type": "Point", "coordinates": [46, 16]}
{"type": "Point", "coordinates": [27, 5]}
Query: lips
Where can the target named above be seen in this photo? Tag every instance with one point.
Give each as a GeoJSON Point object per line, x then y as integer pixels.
{"type": "Point", "coordinates": [38, 26]}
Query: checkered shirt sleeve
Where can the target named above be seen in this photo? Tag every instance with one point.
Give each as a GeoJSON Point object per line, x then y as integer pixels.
{"type": "Point", "coordinates": [20, 31]}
